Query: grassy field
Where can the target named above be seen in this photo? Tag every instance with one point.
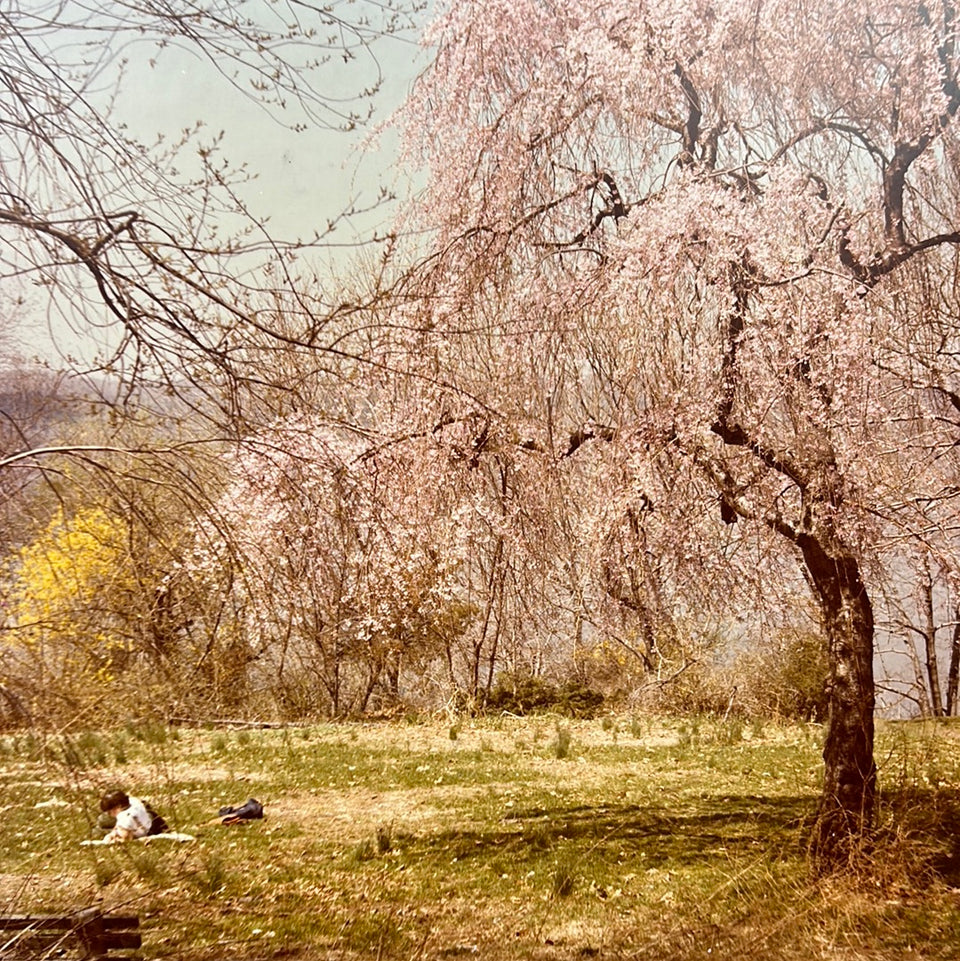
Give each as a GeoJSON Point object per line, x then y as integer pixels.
{"type": "Point", "coordinates": [502, 839]}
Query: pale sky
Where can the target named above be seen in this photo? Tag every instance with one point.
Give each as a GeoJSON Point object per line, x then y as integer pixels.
{"type": "Point", "coordinates": [303, 179]}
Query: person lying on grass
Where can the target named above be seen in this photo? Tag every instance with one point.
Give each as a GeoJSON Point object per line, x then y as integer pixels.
{"type": "Point", "coordinates": [133, 818]}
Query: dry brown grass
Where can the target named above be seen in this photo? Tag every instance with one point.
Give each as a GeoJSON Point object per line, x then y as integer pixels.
{"type": "Point", "coordinates": [665, 841]}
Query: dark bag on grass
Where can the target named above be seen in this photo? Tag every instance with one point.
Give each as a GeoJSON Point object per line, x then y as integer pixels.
{"type": "Point", "coordinates": [157, 823]}
{"type": "Point", "coordinates": [250, 810]}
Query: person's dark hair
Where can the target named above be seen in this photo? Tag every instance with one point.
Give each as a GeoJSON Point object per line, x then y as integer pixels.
{"type": "Point", "coordinates": [114, 799]}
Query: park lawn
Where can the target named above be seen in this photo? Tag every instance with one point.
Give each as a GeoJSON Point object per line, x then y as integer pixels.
{"type": "Point", "coordinates": [507, 838]}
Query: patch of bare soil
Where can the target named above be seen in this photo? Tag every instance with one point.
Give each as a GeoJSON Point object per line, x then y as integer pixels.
{"type": "Point", "coordinates": [352, 814]}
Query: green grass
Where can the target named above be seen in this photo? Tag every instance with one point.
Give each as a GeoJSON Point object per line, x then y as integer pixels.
{"type": "Point", "coordinates": [515, 839]}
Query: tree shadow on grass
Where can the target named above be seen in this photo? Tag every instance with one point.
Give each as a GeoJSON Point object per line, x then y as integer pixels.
{"type": "Point", "coordinates": [929, 821]}
{"type": "Point", "coordinates": [919, 827]}
{"type": "Point", "coordinates": [716, 827]}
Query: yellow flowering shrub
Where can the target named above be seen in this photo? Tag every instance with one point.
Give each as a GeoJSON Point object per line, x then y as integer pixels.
{"type": "Point", "coordinates": [71, 603]}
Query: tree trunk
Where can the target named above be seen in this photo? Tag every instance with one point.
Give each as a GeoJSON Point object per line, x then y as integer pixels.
{"type": "Point", "coordinates": [846, 807]}
{"type": "Point", "coordinates": [953, 673]}
{"type": "Point", "coordinates": [930, 646]}
{"type": "Point", "coordinates": [392, 663]}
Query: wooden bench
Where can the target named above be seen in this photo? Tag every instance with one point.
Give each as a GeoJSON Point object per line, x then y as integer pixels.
{"type": "Point", "coordinates": [88, 933]}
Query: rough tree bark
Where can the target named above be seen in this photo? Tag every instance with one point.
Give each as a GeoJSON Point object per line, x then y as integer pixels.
{"type": "Point", "coordinates": [847, 802]}
{"type": "Point", "coordinates": [930, 661]}
{"type": "Point", "coordinates": [846, 807]}
{"type": "Point", "coordinates": [953, 673]}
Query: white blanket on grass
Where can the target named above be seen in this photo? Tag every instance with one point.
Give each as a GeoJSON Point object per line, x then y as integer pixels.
{"type": "Point", "coordinates": [168, 835]}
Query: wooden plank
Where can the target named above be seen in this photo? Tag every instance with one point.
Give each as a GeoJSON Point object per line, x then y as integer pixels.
{"type": "Point", "coordinates": [114, 940]}
{"type": "Point", "coordinates": [39, 922]}
{"type": "Point", "coordinates": [19, 922]}
{"type": "Point", "coordinates": [96, 933]}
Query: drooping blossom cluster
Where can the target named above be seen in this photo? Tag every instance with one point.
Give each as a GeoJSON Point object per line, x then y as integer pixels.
{"type": "Point", "coordinates": [736, 222]}
{"type": "Point", "coordinates": [712, 185]}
